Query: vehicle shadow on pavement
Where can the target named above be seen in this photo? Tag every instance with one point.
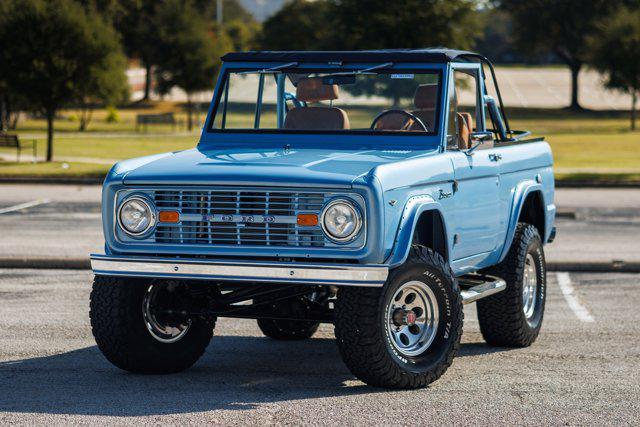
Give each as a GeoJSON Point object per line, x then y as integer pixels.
{"type": "Point", "coordinates": [479, 348]}
{"type": "Point", "coordinates": [236, 373]}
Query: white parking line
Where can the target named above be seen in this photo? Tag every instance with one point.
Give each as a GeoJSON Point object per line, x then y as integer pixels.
{"type": "Point", "coordinates": [24, 206]}
{"type": "Point", "coordinates": [581, 312]}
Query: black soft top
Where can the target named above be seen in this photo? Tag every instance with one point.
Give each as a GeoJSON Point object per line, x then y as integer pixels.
{"type": "Point", "coordinates": [438, 54]}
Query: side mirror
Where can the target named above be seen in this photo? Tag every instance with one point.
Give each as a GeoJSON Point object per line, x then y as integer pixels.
{"type": "Point", "coordinates": [477, 138]}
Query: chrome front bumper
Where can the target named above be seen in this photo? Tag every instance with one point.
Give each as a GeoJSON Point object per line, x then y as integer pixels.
{"type": "Point", "coordinates": [241, 271]}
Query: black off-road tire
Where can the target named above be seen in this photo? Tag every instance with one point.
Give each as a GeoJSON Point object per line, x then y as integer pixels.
{"type": "Point", "coordinates": [361, 326]}
{"type": "Point", "coordinates": [501, 316]}
{"type": "Point", "coordinates": [117, 323]}
{"type": "Point", "coordinates": [287, 330]}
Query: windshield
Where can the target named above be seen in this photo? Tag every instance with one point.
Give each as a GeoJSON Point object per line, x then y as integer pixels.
{"type": "Point", "coordinates": [372, 100]}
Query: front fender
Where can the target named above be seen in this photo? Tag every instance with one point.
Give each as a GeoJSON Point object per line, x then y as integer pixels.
{"type": "Point", "coordinates": [414, 207]}
{"type": "Point", "coordinates": [520, 193]}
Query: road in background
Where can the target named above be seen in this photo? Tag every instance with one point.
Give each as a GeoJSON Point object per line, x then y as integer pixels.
{"type": "Point", "coordinates": [577, 373]}
{"type": "Point", "coordinates": [595, 225]}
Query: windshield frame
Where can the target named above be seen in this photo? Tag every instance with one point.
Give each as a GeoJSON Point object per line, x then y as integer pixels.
{"type": "Point", "coordinates": [250, 138]}
{"type": "Point", "coordinates": [235, 67]}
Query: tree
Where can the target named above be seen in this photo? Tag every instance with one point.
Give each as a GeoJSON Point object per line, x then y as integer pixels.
{"type": "Point", "coordinates": [615, 51]}
{"type": "Point", "coordinates": [413, 24]}
{"type": "Point", "coordinates": [188, 57]}
{"type": "Point", "coordinates": [232, 10]}
{"type": "Point", "coordinates": [377, 24]}
{"type": "Point", "coordinates": [49, 48]}
{"type": "Point", "coordinates": [136, 21]}
{"type": "Point", "coordinates": [107, 81]}
{"type": "Point", "coordinates": [133, 19]}
{"type": "Point", "coordinates": [299, 25]}
{"type": "Point", "coordinates": [559, 26]}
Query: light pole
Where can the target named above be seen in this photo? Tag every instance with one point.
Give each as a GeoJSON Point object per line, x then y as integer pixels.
{"type": "Point", "coordinates": [219, 16]}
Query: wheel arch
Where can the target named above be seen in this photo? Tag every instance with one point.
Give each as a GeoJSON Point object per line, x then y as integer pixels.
{"type": "Point", "coordinates": [422, 222]}
{"type": "Point", "coordinates": [528, 205]}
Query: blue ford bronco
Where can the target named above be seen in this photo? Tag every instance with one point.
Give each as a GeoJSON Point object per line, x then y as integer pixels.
{"type": "Point", "coordinates": [375, 190]}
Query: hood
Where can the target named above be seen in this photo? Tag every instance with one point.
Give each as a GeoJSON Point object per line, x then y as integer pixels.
{"type": "Point", "coordinates": [310, 167]}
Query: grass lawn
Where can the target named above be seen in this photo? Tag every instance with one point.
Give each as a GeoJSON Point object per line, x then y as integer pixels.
{"type": "Point", "coordinates": [586, 146]}
{"type": "Point", "coordinates": [53, 170]}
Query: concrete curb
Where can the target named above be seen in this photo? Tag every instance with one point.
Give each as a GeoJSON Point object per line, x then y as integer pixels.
{"type": "Point", "coordinates": [51, 180]}
{"type": "Point", "coordinates": [47, 263]}
{"type": "Point", "coordinates": [595, 267]}
{"type": "Point", "coordinates": [84, 264]}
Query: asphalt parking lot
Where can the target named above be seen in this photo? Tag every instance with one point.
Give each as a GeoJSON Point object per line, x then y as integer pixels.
{"type": "Point", "coordinates": [583, 369]}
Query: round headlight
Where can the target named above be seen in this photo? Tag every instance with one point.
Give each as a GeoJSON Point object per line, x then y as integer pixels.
{"type": "Point", "coordinates": [136, 216]}
{"type": "Point", "coordinates": [341, 220]}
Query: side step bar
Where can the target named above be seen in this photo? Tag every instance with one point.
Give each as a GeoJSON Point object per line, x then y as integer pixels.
{"type": "Point", "coordinates": [475, 287]}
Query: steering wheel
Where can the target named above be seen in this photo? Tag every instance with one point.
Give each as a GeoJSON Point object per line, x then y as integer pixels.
{"type": "Point", "coordinates": [402, 112]}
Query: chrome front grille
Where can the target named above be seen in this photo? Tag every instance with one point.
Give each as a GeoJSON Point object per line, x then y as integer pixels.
{"type": "Point", "coordinates": [248, 218]}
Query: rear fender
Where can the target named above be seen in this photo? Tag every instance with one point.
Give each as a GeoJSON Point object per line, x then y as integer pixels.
{"type": "Point", "coordinates": [520, 193]}
{"type": "Point", "coordinates": [411, 214]}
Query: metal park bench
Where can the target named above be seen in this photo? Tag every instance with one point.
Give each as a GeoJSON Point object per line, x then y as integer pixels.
{"type": "Point", "coordinates": [143, 120]}
{"type": "Point", "coordinates": [12, 141]}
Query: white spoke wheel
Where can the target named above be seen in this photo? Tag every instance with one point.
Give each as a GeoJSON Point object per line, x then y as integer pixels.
{"type": "Point", "coordinates": [529, 287]}
{"type": "Point", "coordinates": [412, 318]}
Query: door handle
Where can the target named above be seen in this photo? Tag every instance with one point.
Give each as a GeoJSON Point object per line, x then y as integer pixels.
{"type": "Point", "coordinates": [495, 157]}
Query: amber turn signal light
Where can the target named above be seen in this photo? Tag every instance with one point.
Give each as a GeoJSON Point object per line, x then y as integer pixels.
{"type": "Point", "coordinates": [307, 220]}
{"type": "Point", "coordinates": [169, 216]}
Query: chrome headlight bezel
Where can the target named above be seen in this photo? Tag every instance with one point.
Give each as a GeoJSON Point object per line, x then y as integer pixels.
{"type": "Point", "coordinates": [357, 216]}
{"type": "Point", "coordinates": [152, 216]}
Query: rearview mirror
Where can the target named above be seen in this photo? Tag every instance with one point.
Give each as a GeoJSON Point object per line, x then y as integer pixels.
{"type": "Point", "coordinates": [339, 80]}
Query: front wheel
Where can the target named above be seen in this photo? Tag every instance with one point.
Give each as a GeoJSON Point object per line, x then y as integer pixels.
{"type": "Point", "coordinates": [133, 326]}
{"type": "Point", "coordinates": [406, 334]}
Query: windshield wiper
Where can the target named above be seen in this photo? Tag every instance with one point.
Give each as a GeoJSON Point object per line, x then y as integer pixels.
{"type": "Point", "coordinates": [366, 71]}
{"type": "Point", "coordinates": [273, 70]}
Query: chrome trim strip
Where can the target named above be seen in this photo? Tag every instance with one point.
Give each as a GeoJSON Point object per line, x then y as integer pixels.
{"type": "Point", "coordinates": [371, 275]}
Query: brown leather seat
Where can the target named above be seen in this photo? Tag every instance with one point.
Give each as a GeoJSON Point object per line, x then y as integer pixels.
{"type": "Point", "coordinates": [319, 117]}
{"type": "Point", "coordinates": [465, 127]}
{"type": "Point", "coordinates": [425, 100]}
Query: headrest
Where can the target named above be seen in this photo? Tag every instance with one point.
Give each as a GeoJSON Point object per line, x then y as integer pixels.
{"type": "Point", "coordinates": [426, 96]}
{"type": "Point", "coordinates": [311, 89]}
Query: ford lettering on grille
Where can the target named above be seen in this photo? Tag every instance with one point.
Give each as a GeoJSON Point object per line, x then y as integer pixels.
{"type": "Point", "coordinates": [247, 218]}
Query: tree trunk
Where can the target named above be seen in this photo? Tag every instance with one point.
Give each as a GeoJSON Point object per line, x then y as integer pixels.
{"type": "Point", "coordinates": [147, 82]}
{"type": "Point", "coordinates": [86, 114]}
{"type": "Point", "coordinates": [575, 72]}
{"type": "Point", "coordinates": [4, 115]}
{"type": "Point", "coordinates": [189, 113]}
{"type": "Point", "coordinates": [634, 110]}
{"type": "Point", "coordinates": [50, 115]}
{"type": "Point", "coordinates": [13, 118]}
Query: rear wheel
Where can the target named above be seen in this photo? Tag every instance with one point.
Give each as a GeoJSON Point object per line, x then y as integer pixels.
{"type": "Point", "coordinates": [513, 317]}
{"type": "Point", "coordinates": [290, 330]}
{"type": "Point", "coordinates": [406, 334]}
{"type": "Point", "coordinates": [134, 328]}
